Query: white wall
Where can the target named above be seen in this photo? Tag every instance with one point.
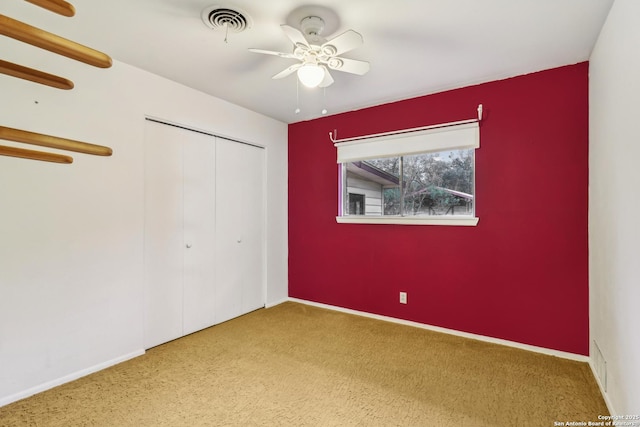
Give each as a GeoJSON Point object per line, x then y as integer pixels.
{"type": "Point", "coordinates": [71, 236]}
{"type": "Point", "coordinates": [614, 203]}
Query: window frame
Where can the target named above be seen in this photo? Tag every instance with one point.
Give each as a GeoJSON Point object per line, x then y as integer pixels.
{"type": "Point", "coordinates": [410, 146]}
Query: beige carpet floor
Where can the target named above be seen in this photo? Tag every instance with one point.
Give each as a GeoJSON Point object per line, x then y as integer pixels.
{"type": "Point", "coordinates": [297, 365]}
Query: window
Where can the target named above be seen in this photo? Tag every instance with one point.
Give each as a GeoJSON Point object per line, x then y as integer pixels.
{"type": "Point", "coordinates": [356, 204]}
{"type": "Point", "coordinates": [424, 177]}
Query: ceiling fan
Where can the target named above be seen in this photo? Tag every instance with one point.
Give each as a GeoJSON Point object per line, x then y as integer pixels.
{"type": "Point", "coordinates": [317, 55]}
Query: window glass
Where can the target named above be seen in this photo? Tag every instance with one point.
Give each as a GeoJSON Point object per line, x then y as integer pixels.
{"type": "Point", "coordinates": [438, 183]}
{"type": "Point", "coordinates": [427, 184]}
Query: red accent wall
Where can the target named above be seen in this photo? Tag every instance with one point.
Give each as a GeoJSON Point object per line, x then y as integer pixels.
{"type": "Point", "coordinates": [521, 274]}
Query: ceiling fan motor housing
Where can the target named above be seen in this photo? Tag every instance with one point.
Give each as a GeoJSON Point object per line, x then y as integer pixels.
{"type": "Point", "coordinates": [312, 27]}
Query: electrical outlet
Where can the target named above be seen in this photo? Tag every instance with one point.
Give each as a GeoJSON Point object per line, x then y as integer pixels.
{"type": "Point", "coordinates": [403, 297]}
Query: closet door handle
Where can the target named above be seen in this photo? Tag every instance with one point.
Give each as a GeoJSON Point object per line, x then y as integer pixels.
{"type": "Point", "coordinates": [188, 245]}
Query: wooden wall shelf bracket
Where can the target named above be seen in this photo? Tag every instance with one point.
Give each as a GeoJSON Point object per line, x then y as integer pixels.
{"type": "Point", "coordinates": [45, 40]}
{"type": "Point", "coordinates": [37, 76]}
{"type": "Point", "coordinates": [34, 155]}
{"type": "Point", "coordinates": [60, 7]}
{"type": "Point", "coordinates": [33, 138]}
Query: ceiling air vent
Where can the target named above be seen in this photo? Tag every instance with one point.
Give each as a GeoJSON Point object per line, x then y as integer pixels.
{"type": "Point", "coordinates": [226, 18]}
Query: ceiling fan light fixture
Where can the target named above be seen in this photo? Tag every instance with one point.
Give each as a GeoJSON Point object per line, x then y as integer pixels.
{"type": "Point", "coordinates": [310, 75]}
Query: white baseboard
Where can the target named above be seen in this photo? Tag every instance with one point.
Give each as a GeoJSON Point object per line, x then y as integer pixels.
{"type": "Point", "coordinates": [536, 349]}
{"type": "Point", "coordinates": [603, 392]}
{"type": "Point", "coordinates": [274, 303]}
{"type": "Point", "coordinates": [68, 378]}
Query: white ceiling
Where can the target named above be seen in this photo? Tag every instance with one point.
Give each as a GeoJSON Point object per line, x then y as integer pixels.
{"type": "Point", "coordinates": [415, 47]}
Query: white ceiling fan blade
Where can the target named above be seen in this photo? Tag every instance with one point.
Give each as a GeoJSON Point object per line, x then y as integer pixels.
{"type": "Point", "coordinates": [295, 36]}
{"type": "Point", "coordinates": [271, 52]}
{"type": "Point", "coordinates": [328, 80]}
{"type": "Point", "coordinates": [345, 42]}
{"type": "Point", "coordinates": [287, 71]}
{"type": "Point", "coordinates": [347, 65]}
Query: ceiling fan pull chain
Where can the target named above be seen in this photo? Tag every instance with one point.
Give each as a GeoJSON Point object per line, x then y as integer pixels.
{"type": "Point", "coordinates": [297, 111]}
{"type": "Point", "coordinates": [324, 100]}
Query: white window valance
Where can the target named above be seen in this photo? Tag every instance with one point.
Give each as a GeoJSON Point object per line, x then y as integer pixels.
{"type": "Point", "coordinates": [448, 136]}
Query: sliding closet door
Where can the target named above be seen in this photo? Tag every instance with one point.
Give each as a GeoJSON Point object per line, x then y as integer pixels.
{"type": "Point", "coordinates": [240, 234]}
{"type": "Point", "coordinates": [163, 234]}
{"type": "Point", "coordinates": [199, 232]}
